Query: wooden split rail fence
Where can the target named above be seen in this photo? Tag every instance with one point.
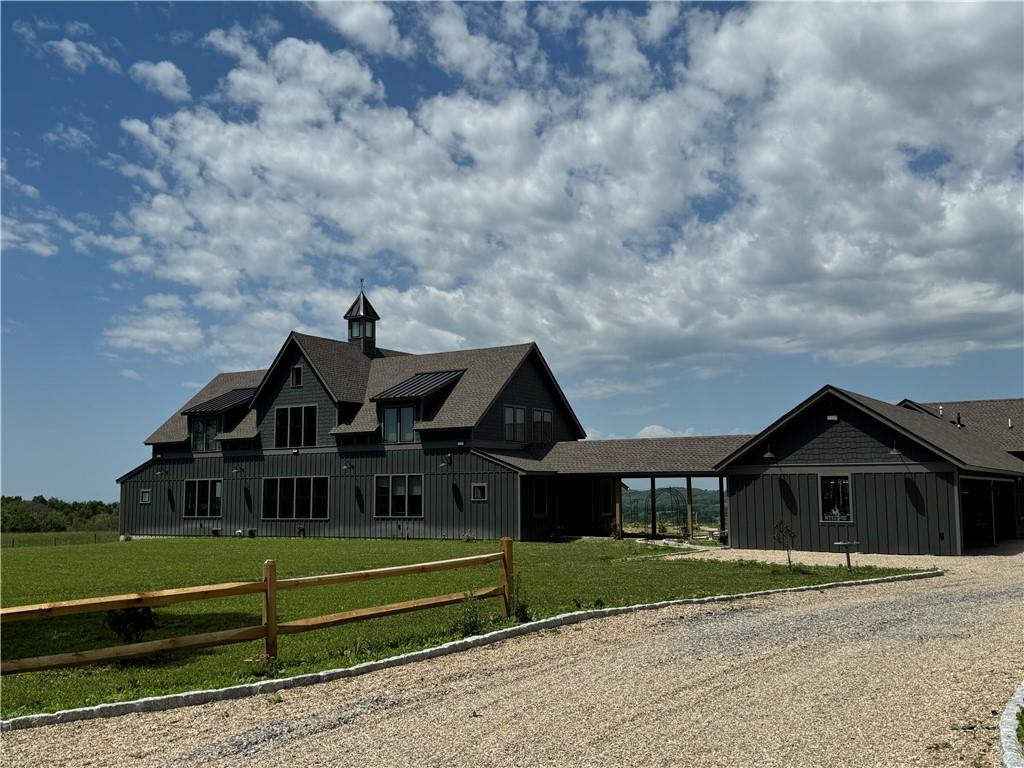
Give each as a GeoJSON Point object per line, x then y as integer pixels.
{"type": "Point", "coordinates": [270, 628]}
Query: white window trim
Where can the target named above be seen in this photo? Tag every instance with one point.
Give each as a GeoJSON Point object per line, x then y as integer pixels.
{"type": "Point", "coordinates": [295, 519]}
{"type": "Point", "coordinates": [184, 495]}
{"type": "Point", "coordinates": [389, 516]}
{"type": "Point", "coordinates": [316, 420]}
{"type": "Point", "coordinates": [473, 487]}
{"type": "Point", "coordinates": [146, 496]}
{"type": "Point", "coordinates": [821, 499]}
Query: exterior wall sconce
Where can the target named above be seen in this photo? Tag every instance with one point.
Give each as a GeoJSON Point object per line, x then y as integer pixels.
{"type": "Point", "coordinates": [158, 473]}
{"type": "Point", "coordinates": [346, 467]}
{"type": "Point", "coordinates": [447, 461]}
{"type": "Point", "coordinates": [238, 469]}
{"type": "Point", "coordinates": [895, 451]}
{"type": "Point", "coordinates": [768, 454]}
{"type": "Point", "coordinates": [295, 451]}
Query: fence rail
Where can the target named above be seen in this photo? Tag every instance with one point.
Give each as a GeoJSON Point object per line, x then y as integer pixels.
{"type": "Point", "coordinates": [270, 627]}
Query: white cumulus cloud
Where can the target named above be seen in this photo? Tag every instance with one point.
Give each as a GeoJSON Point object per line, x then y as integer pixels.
{"type": "Point", "coordinates": [162, 77]}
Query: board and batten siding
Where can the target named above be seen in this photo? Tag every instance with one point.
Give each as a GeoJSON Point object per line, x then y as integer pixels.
{"type": "Point", "coordinates": [278, 393]}
{"type": "Point", "coordinates": [449, 511]}
{"type": "Point", "coordinates": [893, 512]}
{"type": "Point", "coordinates": [531, 388]}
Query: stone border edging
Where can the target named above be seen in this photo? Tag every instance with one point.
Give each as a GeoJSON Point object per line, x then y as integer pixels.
{"type": "Point", "coordinates": [190, 698]}
{"type": "Point", "coordinates": [1012, 749]}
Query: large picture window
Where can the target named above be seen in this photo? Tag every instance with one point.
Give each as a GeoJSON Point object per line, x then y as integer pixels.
{"type": "Point", "coordinates": [398, 496]}
{"type": "Point", "coordinates": [204, 434]}
{"type": "Point", "coordinates": [295, 427]}
{"type": "Point", "coordinates": [398, 427]}
{"type": "Point", "coordinates": [835, 499]}
{"type": "Point", "coordinates": [202, 498]}
{"type": "Point", "coordinates": [295, 498]}
{"type": "Point", "coordinates": [515, 423]}
{"type": "Point", "coordinates": [542, 426]}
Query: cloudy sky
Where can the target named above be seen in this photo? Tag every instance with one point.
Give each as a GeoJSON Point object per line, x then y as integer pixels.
{"type": "Point", "coordinates": [701, 213]}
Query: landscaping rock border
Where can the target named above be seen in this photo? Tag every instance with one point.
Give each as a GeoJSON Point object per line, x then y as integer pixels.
{"type": "Point", "coordinates": [190, 698]}
{"type": "Point", "coordinates": [1013, 750]}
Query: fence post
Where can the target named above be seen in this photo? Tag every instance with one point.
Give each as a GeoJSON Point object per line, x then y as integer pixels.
{"type": "Point", "coordinates": [506, 576]}
{"type": "Point", "coordinates": [270, 608]}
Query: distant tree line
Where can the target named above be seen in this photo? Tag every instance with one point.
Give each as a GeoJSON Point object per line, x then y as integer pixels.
{"type": "Point", "coordinates": [671, 504]}
{"type": "Point", "coordinates": [44, 515]}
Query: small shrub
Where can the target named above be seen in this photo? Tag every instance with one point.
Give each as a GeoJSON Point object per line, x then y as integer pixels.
{"type": "Point", "coordinates": [662, 528]}
{"type": "Point", "coordinates": [784, 535]}
{"type": "Point", "coordinates": [469, 622]}
{"type": "Point", "coordinates": [263, 667]}
{"type": "Point", "coordinates": [129, 623]}
{"type": "Point", "coordinates": [596, 604]}
{"type": "Point", "coordinates": [468, 537]}
{"type": "Point", "coordinates": [520, 610]}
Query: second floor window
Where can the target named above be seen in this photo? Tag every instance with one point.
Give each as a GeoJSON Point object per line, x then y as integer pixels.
{"type": "Point", "coordinates": [295, 427]}
{"type": "Point", "coordinates": [297, 376]}
{"type": "Point", "coordinates": [398, 424]}
{"type": "Point", "coordinates": [515, 423]}
{"type": "Point", "coordinates": [542, 432]}
{"type": "Point", "coordinates": [204, 434]}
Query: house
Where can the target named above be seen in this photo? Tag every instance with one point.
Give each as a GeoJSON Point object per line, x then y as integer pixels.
{"type": "Point", "coordinates": [909, 478]}
{"type": "Point", "coordinates": [346, 438]}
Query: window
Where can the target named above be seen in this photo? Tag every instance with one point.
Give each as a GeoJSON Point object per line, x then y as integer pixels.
{"type": "Point", "coordinates": [355, 329]}
{"type": "Point", "coordinates": [479, 492]}
{"type": "Point", "coordinates": [398, 496]}
{"type": "Point", "coordinates": [145, 496]}
{"type": "Point", "coordinates": [297, 376]}
{"type": "Point", "coordinates": [541, 426]}
{"type": "Point", "coordinates": [202, 498]}
{"type": "Point", "coordinates": [835, 499]}
{"type": "Point", "coordinates": [515, 423]}
{"type": "Point", "coordinates": [368, 329]}
{"type": "Point", "coordinates": [295, 427]}
{"type": "Point", "coordinates": [204, 434]}
{"type": "Point", "coordinates": [398, 424]}
{"type": "Point", "coordinates": [295, 498]}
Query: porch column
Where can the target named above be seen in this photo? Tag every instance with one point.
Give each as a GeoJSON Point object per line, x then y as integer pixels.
{"type": "Point", "coordinates": [992, 498]}
{"type": "Point", "coordinates": [618, 505]}
{"type": "Point", "coordinates": [654, 509]}
{"type": "Point", "coordinates": [721, 503]}
{"type": "Point", "coordinates": [689, 506]}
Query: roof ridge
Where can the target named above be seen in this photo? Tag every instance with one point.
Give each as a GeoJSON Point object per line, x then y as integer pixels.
{"type": "Point", "coordinates": [977, 400]}
{"type": "Point", "coordinates": [471, 349]}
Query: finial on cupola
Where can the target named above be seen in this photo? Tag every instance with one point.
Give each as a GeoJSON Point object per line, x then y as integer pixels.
{"type": "Point", "coordinates": [362, 319]}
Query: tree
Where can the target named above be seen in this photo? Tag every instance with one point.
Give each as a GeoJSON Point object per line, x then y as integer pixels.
{"type": "Point", "coordinates": [784, 536]}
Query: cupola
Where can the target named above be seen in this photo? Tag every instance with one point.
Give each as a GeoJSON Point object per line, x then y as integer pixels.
{"type": "Point", "coordinates": [362, 321]}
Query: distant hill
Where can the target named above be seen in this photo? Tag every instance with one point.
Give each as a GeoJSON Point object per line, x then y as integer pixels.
{"type": "Point", "coordinates": [671, 505]}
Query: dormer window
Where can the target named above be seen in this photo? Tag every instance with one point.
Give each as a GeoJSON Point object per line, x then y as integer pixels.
{"type": "Point", "coordinates": [398, 424]}
{"type": "Point", "coordinates": [297, 376]}
{"type": "Point", "coordinates": [204, 434]}
{"type": "Point", "coordinates": [355, 329]}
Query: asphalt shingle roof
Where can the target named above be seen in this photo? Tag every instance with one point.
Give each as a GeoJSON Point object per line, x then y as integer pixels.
{"type": "Point", "coordinates": [988, 419]}
{"type": "Point", "coordinates": [674, 456]}
{"type": "Point", "coordinates": [486, 373]}
{"type": "Point", "coordinates": [175, 429]}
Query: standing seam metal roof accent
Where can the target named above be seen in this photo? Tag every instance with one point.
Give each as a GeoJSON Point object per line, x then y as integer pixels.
{"type": "Point", "coordinates": [221, 403]}
{"type": "Point", "coordinates": [420, 385]}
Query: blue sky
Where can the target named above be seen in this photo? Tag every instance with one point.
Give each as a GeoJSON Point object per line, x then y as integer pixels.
{"type": "Point", "coordinates": [701, 213]}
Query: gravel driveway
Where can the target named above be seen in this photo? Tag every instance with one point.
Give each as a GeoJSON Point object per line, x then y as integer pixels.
{"type": "Point", "coordinates": [902, 674]}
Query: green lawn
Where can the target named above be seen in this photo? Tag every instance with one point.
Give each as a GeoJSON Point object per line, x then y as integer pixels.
{"type": "Point", "coordinates": [554, 577]}
{"type": "Point", "coordinates": [56, 538]}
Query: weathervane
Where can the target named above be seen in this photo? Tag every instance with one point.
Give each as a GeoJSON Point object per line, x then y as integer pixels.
{"type": "Point", "coordinates": [361, 281]}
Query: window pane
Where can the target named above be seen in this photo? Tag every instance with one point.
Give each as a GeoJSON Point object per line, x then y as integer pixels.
{"type": "Point", "coordinates": [215, 499]}
{"type": "Point", "coordinates": [295, 427]}
{"type": "Point", "coordinates": [202, 498]}
{"type": "Point", "coordinates": [303, 497]}
{"type": "Point", "coordinates": [521, 425]}
{"type": "Point", "coordinates": [286, 499]}
{"type": "Point", "coordinates": [406, 414]}
{"type": "Point", "coordinates": [190, 498]}
{"type": "Point", "coordinates": [415, 496]}
{"type": "Point", "coordinates": [211, 434]}
{"type": "Point", "coordinates": [309, 425]}
{"type": "Point", "coordinates": [835, 500]}
{"type": "Point", "coordinates": [296, 376]}
{"type": "Point", "coordinates": [198, 436]}
{"type": "Point", "coordinates": [390, 425]}
{"type": "Point", "coordinates": [320, 489]}
{"type": "Point", "coordinates": [144, 496]}
{"type": "Point", "coordinates": [398, 496]}
{"type": "Point", "coordinates": [281, 428]}
{"type": "Point", "coordinates": [270, 497]}
{"type": "Point", "coordinates": [368, 329]}
{"type": "Point", "coordinates": [479, 492]}
{"type": "Point", "coordinates": [355, 329]}
{"type": "Point", "coordinates": [382, 503]}
{"type": "Point", "coordinates": [548, 431]}
{"type": "Point", "coordinates": [509, 423]}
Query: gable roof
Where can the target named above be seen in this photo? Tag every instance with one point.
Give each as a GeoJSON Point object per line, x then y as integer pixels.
{"type": "Point", "coordinates": [642, 457]}
{"type": "Point", "coordinates": [988, 419]}
{"type": "Point", "coordinates": [966, 450]}
{"type": "Point", "coordinates": [486, 371]}
{"type": "Point", "coordinates": [175, 429]}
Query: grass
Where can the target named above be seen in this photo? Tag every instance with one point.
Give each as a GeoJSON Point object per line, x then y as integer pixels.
{"type": "Point", "coordinates": [57, 538]}
{"type": "Point", "coordinates": [553, 578]}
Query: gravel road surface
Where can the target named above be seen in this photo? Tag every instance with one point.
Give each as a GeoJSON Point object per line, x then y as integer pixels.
{"type": "Point", "coordinates": [904, 674]}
